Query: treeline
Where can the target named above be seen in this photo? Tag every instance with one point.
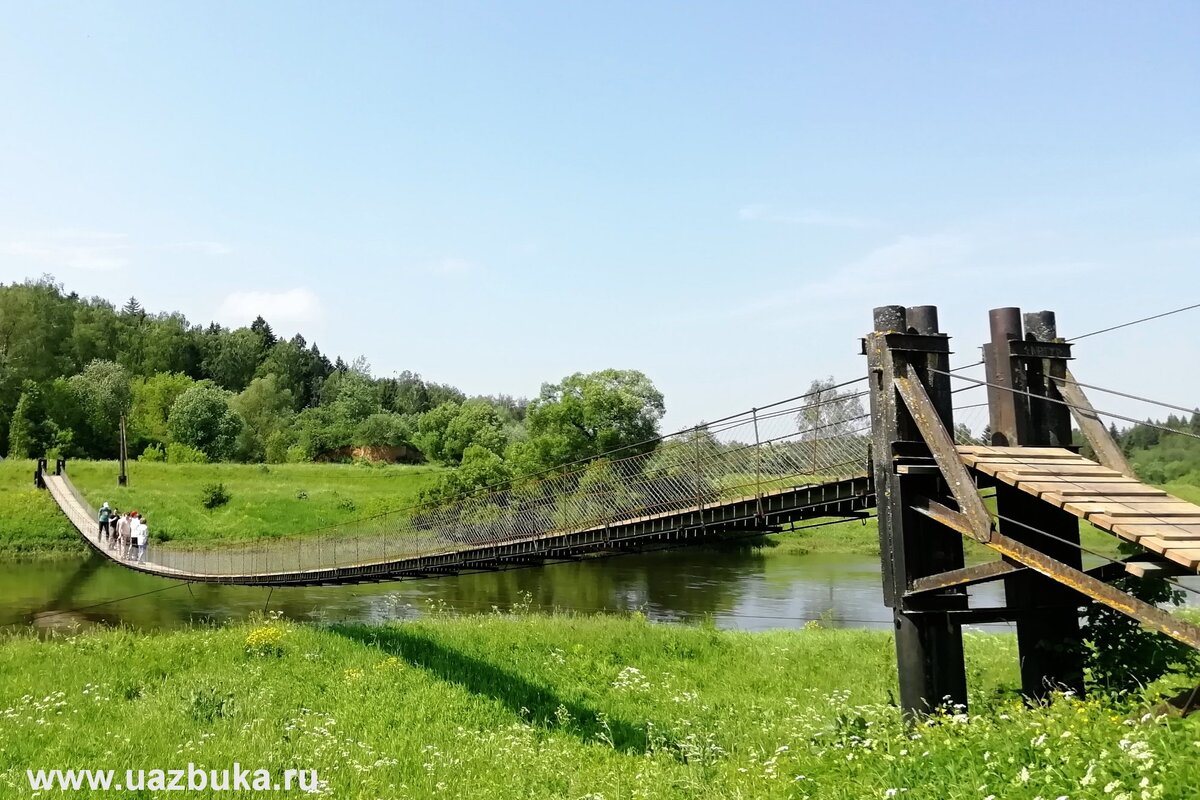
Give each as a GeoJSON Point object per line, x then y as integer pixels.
{"type": "Point", "coordinates": [1163, 456]}
{"type": "Point", "coordinates": [70, 367]}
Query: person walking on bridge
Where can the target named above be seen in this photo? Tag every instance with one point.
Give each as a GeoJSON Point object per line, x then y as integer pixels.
{"type": "Point", "coordinates": [105, 514]}
{"type": "Point", "coordinates": [123, 536]}
{"type": "Point", "coordinates": [143, 539]}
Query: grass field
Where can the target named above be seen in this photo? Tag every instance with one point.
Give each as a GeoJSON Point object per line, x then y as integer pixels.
{"type": "Point", "coordinates": [265, 501]}
{"type": "Point", "coordinates": [30, 523]}
{"type": "Point", "coordinates": [564, 707]}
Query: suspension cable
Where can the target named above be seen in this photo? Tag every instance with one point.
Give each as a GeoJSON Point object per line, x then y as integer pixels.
{"type": "Point", "coordinates": [1128, 396]}
{"type": "Point", "coordinates": [1069, 405]}
{"type": "Point", "coordinates": [1135, 322]}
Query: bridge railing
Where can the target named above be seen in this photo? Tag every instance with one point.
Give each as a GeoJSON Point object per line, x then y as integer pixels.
{"type": "Point", "coordinates": [812, 439]}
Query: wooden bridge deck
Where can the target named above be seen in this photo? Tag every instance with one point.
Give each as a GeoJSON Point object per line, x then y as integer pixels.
{"type": "Point", "coordinates": [1145, 515]}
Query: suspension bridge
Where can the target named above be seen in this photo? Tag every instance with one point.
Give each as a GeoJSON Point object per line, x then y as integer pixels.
{"type": "Point", "coordinates": [898, 439]}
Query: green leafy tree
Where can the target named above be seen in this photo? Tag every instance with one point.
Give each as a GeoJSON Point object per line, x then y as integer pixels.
{"type": "Point", "coordinates": [445, 433]}
{"type": "Point", "coordinates": [150, 406]}
{"type": "Point", "coordinates": [232, 357]}
{"type": "Point", "coordinates": [26, 431]}
{"type": "Point", "coordinates": [103, 394]}
{"type": "Point", "coordinates": [203, 418]}
{"type": "Point", "coordinates": [266, 408]}
{"type": "Point", "coordinates": [586, 415]}
{"type": "Point", "coordinates": [384, 430]}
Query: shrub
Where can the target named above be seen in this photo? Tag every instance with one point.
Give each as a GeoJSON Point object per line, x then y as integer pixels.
{"type": "Point", "coordinates": [182, 454]}
{"type": "Point", "coordinates": [214, 495]}
{"type": "Point", "coordinates": [153, 452]}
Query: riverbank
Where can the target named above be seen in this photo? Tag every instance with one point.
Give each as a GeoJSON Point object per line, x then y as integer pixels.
{"type": "Point", "coordinates": [564, 706]}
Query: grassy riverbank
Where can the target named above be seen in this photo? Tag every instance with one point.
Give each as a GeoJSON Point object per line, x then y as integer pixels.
{"type": "Point", "coordinates": [536, 706]}
{"type": "Point", "coordinates": [265, 501]}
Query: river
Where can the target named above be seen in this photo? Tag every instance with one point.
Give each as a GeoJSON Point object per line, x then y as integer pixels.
{"type": "Point", "coordinates": [749, 588]}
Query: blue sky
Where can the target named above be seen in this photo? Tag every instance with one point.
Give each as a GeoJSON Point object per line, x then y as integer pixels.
{"type": "Point", "coordinates": [499, 194]}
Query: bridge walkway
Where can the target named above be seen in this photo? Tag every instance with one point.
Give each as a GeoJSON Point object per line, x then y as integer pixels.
{"type": "Point", "coordinates": [1147, 516]}
{"type": "Point", "coordinates": [426, 554]}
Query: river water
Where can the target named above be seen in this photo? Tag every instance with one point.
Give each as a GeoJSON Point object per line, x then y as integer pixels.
{"type": "Point", "coordinates": [741, 587]}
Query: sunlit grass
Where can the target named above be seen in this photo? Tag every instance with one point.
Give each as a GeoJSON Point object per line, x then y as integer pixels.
{"type": "Point", "coordinates": [265, 501]}
{"type": "Point", "coordinates": [539, 706]}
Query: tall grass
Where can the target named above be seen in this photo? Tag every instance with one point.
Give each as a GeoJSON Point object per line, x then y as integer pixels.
{"type": "Point", "coordinates": [536, 706]}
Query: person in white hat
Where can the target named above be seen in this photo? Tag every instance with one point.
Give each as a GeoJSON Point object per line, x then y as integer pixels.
{"type": "Point", "coordinates": [105, 513]}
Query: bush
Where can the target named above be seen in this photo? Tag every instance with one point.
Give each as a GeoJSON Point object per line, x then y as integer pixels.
{"type": "Point", "coordinates": [153, 452]}
{"type": "Point", "coordinates": [296, 454]}
{"type": "Point", "coordinates": [182, 454]}
{"type": "Point", "coordinates": [214, 495]}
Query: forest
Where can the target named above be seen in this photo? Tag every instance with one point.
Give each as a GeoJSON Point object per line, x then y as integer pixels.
{"type": "Point", "coordinates": [71, 367]}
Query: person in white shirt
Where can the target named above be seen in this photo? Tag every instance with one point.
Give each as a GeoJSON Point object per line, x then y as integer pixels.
{"type": "Point", "coordinates": [143, 539]}
{"type": "Point", "coordinates": [123, 536]}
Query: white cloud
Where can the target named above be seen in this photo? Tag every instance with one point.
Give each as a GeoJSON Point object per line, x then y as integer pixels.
{"type": "Point", "coordinates": [759, 212]}
{"type": "Point", "coordinates": [94, 251]}
{"type": "Point", "coordinates": [85, 250]}
{"type": "Point", "coordinates": [291, 306]}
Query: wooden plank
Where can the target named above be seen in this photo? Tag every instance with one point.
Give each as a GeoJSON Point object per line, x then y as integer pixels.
{"type": "Point", "coordinates": [1161, 531]}
{"type": "Point", "coordinates": [1149, 569]}
{"type": "Point", "coordinates": [1013, 475]}
{"type": "Point", "coordinates": [1045, 452]}
{"type": "Point", "coordinates": [1115, 481]}
{"type": "Point", "coordinates": [1188, 557]}
{"type": "Point", "coordinates": [990, 462]}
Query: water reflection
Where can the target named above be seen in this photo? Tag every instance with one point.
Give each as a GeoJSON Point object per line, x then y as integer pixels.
{"type": "Point", "coordinates": [739, 587]}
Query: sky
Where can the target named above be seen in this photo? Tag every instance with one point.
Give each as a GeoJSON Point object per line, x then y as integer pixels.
{"type": "Point", "coordinates": [496, 195]}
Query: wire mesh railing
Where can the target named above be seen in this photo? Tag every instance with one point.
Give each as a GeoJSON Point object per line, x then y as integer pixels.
{"type": "Point", "coordinates": [814, 439]}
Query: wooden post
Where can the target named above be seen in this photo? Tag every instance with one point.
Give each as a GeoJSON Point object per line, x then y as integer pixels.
{"type": "Point", "coordinates": [929, 650]}
{"type": "Point", "coordinates": [1046, 611]}
{"type": "Point", "coordinates": [123, 454]}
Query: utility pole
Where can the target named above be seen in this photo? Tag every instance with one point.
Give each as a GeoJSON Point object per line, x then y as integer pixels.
{"type": "Point", "coordinates": [122, 478]}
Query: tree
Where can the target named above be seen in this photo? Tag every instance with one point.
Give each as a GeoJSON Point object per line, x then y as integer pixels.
{"type": "Point", "coordinates": [202, 418]}
{"type": "Point", "coordinates": [262, 329]}
{"type": "Point", "coordinates": [266, 408]}
{"type": "Point", "coordinates": [132, 308]}
{"type": "Point", "coordinates": [26, 437]}
{"type": "Point", "coordinates": [232, 358]}
{"type": "Point", "coordinates": [586, 415]}
{"type": "Point", "coordinates": [827, 412]}
{"type": "Point", "coordinates": [405, 394]}
{"type": "Point", "coordinates": [150, 407]}
{"type": "Point", "coordinates": [384, 429]}
{"type": "Point", "coordinates": [445, 433]}
{"type": "Point", "coordinates": [103, 394]}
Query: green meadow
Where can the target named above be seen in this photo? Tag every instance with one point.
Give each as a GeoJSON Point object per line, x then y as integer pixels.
{"type": "Point", "coordinates": [532, 706]}
{"type": "Point", "coordinates": [264, 501]}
